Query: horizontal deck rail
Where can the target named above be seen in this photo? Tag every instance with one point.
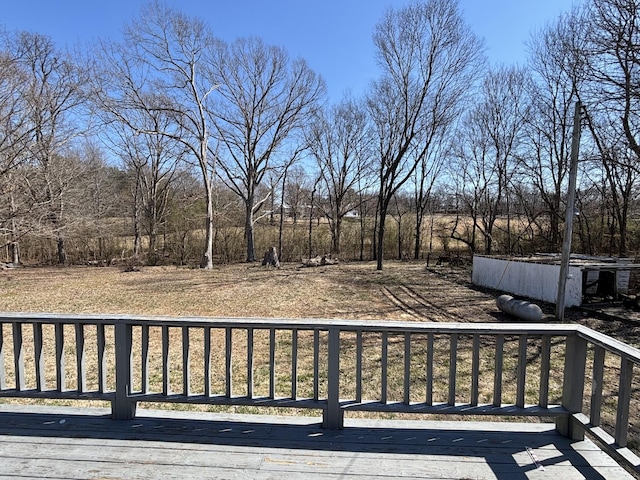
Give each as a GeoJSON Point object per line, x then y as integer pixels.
{"type": "Point", "coordinates": [335, 366]}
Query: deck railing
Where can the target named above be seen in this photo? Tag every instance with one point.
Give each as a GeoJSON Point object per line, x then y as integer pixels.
{"type": "Point", "coordinates": [331, 365]}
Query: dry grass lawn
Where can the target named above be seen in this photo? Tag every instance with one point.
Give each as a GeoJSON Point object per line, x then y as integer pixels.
{"type": "Point", "coordinates": [352, 291]}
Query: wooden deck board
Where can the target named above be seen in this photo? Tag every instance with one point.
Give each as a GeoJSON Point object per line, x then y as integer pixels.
{"type": "Point", "coordinates": [70, 443]}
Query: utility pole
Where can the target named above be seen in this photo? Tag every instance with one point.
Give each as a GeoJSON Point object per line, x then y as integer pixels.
{"type": "Point", "coordinates": [568, 223]}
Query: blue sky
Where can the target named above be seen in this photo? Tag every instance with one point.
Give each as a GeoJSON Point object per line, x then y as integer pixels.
{"type": "Point", "coordinates": [334, 36]}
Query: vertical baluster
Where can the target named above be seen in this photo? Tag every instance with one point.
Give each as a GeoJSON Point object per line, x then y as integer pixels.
{"type": "Point", "coordinates": [453, 362]}
{"type": "Point", "coordinates": [475, 371]}
{"type": "Point", "coordinates": [207, 361]}
{"type": "Point", "coordinates": [3, 373]}
{"type": "Point", "coordinates": [545, 368]}
{"type": "Point", "coordinates": [145, 358]}
{"type": "Point", "coordinates": [102, 357]}
{"type": "Point", "coordinates": [60, 360]}
{"type": "Point", "coordinates": [39, 357]}
{"type": "Point", "coordinates": [624, 398]}
{"type": "Point", "coordinates": [316, 365]}
{"type": "Point", "coordinates": [228, 365]}
{"type": "Point", "coordinates": [186, 361]}
{"type": "Point", "coordinates": [333, 415]}
{"type": "Point", "coordinates": [596, 385]}
{"type": "Point", "coordinates": [359, 366]}
{"type": "Point", "coordinates": [272, 363]}
{"type": "Point", "coordinates": [250, 362]}
{"type": "Point", "coordinates": [166, 387]}
{"type": "Point", "coordinates": [407, 368]}
{"type": "Point", "coordinates": [385, 358]}
{"type": "Point", "coordinates": [294, 363]}
{"type": "Point", "coordinates": [18, 356]}
{"type": "Point", "coordinates": [81, 361]}
{"type": "Point", "coordinates": [430, 343]}
{"type": "Point", "coordinates": [521, 373]}
{"type": "Point", "coordinates": [497, 380]}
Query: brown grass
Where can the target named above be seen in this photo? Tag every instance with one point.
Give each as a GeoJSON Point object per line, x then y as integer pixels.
{"type": "Point", "coordinates": [232, 290]}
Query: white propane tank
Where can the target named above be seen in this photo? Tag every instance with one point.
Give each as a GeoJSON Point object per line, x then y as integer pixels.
{"type": "Point", "coordinates": [519, 308]}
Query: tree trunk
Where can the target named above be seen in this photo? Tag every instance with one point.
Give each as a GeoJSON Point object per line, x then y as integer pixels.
{"type": "Point", "coordinates": [281, 225]}
{"type": "Point", "coordinates": [418, 238]}
{"type": "Point", "coordinates": [337, 227]}
{"type": "Point", "coordinates": [375, 233]}
{"type": "Point", "coordinates": [381, 224]}
{"type": "Point", "coordinates": [313, 193]}
{"type": "Point", "coordinates": [62, 253]}
{"type": "Point", "coordinates": [207, 257]}
{"type": "Point", "coordinates": [14, 249]}
{"type": "Point", "coordinates": [248, 231]}
{"type": "Point", "coordinates": [399, 237]}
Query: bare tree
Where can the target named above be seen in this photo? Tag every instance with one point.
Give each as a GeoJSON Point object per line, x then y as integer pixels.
{"type": "Point", "coordinates": [16, 135]}
{"type": "Point", "coordinates": [553, 93]}
{"type": "Point", "coordinates": [99, 194]}
{"type": "Point", "coordinates": [296, 192]}
{"type": "Point", "coordinates": [429, 59]}
{"type": "Point", "coordinates": [611, 96]}
{"type": "Point", "coordinates": [425, 180]}
{"type": "Point", "coordinates": [55, 91]}
{"type": "Point", "coordinates": [340, 142]}
{"type": "Point", "coordinates": [16, 129]}
{"type": "Point", "coordinates": [163, 65]}
{"type": "Point", "coordinates": [402, 205]}
{"type": "Point", "coordinates": [153, 159]}
{"type": "Point", "coordinates": [264, 100]}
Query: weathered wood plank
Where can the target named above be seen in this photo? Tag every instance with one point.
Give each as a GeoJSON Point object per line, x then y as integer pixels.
{"type": "Point", "coordinates": [60, 359]}
{"type": "Point", "coordinates": [384, 365]}
{"type": "Point", "coordinates": [497, 375]}
{"type": "Point", "coordinates": [249, 362]}
{"type": "Point", "coordinates": [429, 397]}
{"type": "Point", "coordinates": [521, 370]}
{"type": "Point", "coordinates": [186, 361]}
{"type": "Point", "coordinates": [407, 369]}
{"type": "Point", "coordinates": [166, 386]}
{"type": "Point", "coordinates": [545, 369]}
{"type": "Point", "coordinates": [162, 444]}
{"type": "Point", "coordinates": [294, 363]}
{"type": "Point", "coordinates": [453, 363]}
{"type": "Point", "coordinates": [145, 359]}
{"type": "Point", "coordinates": [3, 373]}
{"type": "Point", "coordinates": [624, 397]}
{"type": "Point", "coordinates": [102, 357]}
{"type": "Point", "coordinates": [18, 357]}
{"type": "Point", "coordinates": [359, 366]}
{"type": "Point", "coordinates": [38, 350]}
{"type": "Point", "coordinates": [475, 370]}
{"type": "Point", "coordinates": [272, 363]}
{"type": "Point", "coordinates": [596, 385]}
{"type": "Point", "coordinates": [228, 362]}
{"type": "Point", "coordinates": [81, 360]}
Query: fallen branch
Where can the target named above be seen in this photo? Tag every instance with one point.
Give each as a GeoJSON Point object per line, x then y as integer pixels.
{"type": "Point", "coordinates": [319, 261]}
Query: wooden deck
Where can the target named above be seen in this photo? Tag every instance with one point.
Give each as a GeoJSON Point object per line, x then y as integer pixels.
{"type": "Point", "coordinates": [73, 443]}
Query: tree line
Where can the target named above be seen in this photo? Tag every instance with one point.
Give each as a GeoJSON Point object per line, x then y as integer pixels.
{"type": "Point", "coordinates": [170, 144]}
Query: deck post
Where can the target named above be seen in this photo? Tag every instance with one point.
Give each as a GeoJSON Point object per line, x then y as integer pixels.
{"type": "Point", "coordinates": [122, 408]}
{"type": "Point", "coordinates": [333, 417]}
{"type": "Point", "coordinates": [573, 386]}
